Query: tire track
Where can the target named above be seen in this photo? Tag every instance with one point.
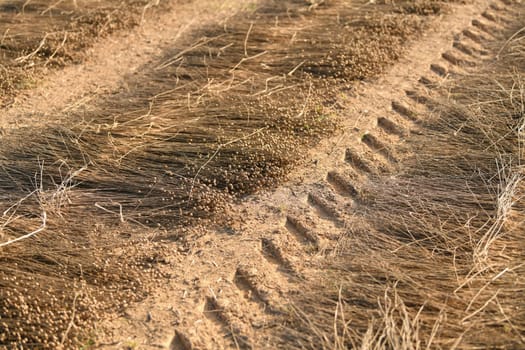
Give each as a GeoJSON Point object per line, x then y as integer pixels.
{"type": "Point", "coordinates": [379, 147]}
{"type": "Point", "coordinates": [391, 127]}
{"type": "Point", "coordinates": [273, 251]}
{"type": "Point", "coordinates": [359, 163]}
{"type": "Point", "coordinates": [290, 228]}
{"type": "Point", "coordinates": [218, 313]}
{"type": "Point", "coordinates": [325, 208]}
{"type": "Point", "coordinates": [303, 233]}
{"type": "Point", "coordinates": [254, 285]}
{"type": "Point", "coordinates": [463, 55]}
{"type": "Point", "coordinates": [342, 184]}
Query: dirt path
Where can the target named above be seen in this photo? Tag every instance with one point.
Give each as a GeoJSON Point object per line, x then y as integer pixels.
{"type": "Point", "coordinates": [227, 287]}
{"type": "Point", "coordinates": [109, 61]}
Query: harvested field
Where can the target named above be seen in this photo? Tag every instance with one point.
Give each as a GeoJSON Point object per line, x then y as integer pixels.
{"type": "Point", "coordinates": [271, 179]}
{"type": "Point", "coordinates": [40, 34]}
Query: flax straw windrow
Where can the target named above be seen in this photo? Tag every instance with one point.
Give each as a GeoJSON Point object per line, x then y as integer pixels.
{"type": "Point", "coordinates": [39, 34]}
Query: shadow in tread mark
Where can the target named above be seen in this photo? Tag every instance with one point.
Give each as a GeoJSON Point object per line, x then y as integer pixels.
{"type": "Point", "coordinates": [420, 99]}
{"type": "Point", "coordinates": [341, 184]}
{"type": "Point", "coordinates": [497, 7]}
{"type": "Point", "coordinates": [463, 48]}
{"type": "Point", "coordinates": [324, 209]}
{"type": "Point", "coordinates": [427, 82]}
{"type": "Point", "coordinates": [357, 162]}
{"type": "Point", "coordinates": [246, 285]}
{"type": "Point", "coordinates": [460, 62]}
{"type": "Point", "coordinates": [404, 111]}
{"type": "Point", "coordinates": [215, 313]}
{"type": "Point", "coordinates": [390, 127]}
{"type": "Point", "coordinates": [489, 16]}
{"type": "Point", "coordinates": [180, 342]}
{"type": "Point", "coordinates": [496, 18]}
{"type": "Point", "coordinates": [301, 232]}
{"type": "Point", "coordinates": [372, 142]}
{"type": "Point", "coordinates": [439, 70]}
{"type": "Point", "coordinates": [469, 50]}
{"type": "Point", "coordinates": [273, 253]}
{"type": "Point", "coordinates": [473, 36]}
{"type": "Point", "coordinates": [484, 27]}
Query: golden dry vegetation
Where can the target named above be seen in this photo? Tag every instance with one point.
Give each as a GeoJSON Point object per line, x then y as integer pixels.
{"type": "Point", "coordinates": [434, 259]}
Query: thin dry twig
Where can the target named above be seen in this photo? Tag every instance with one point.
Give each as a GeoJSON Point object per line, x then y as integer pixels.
{"type": "Point", "coordinates": [30, 234]}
